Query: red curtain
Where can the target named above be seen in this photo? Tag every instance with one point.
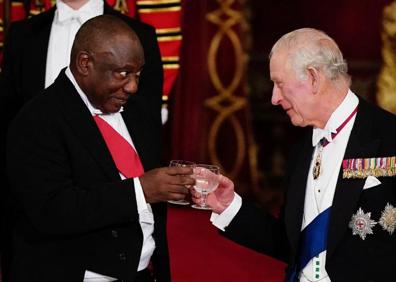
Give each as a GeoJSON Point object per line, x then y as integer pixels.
{"type": "Point", "coordinates": [186, 111]}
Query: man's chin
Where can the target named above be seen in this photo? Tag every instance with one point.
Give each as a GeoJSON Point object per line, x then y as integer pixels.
{"type": "Point", "coordinates": [297, 122]}
{"type": "Point", "coordinates": [112, 110]}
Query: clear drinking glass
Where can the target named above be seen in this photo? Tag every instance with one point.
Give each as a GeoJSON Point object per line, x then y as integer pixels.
{"type": "Point", "coordinates": [206, 181]}
{"type": "Point", "coordinates": [181, 163]}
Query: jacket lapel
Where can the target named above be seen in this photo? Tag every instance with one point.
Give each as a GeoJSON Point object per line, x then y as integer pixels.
{"type": "Point", "coordinates": [41, 28]}
{"type": "Point", "coordinates": [80, 120]}
{"type": "Point", "coordinates": [294, 207]}
{"type": "Point", "coordinates": [360, 145]}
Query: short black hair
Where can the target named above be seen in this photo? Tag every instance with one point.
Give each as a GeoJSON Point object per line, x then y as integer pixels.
{"type": "Point", "coordinates": [98, 31]}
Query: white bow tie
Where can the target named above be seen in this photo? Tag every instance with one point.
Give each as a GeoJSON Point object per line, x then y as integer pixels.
{"type": "Point", "coordinates": [69, 14]}
{"type": "Point", "coordinates": [318, 134]}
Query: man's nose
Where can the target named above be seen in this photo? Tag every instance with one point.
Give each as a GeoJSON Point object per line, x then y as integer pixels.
{"type": "Point", "coordinates": [276, 96]}
{"type": "Point", "coordinates": [131, 87]}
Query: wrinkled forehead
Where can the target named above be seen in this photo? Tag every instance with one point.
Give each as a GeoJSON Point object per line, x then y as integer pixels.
{"type": "Point", "coordinates": [117, 41]}
{"type": "Point", "coordinates": [282, 68]}
{"type": "Point", "coordinates": [280, 59]}
{"type": "Point", "coordinates": [116, 61]}
{"type": "Point", "coordinates": [121, 49]}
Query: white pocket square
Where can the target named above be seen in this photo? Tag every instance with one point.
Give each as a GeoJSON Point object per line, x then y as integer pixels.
{"type": "Point", "coordinates": [371, 181]}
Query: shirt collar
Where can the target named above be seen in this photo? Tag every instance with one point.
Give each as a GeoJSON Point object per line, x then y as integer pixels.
{"type": "Point", "coordinates": [91, 108]}
{"type": "Point", "coordinates": [341, 113]}
{"type": "Point", "coordinates": [65, 13]}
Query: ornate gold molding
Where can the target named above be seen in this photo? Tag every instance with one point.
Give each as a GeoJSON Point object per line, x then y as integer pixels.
{"type": "Point", "coordinates": [227, 102]}
{"type": "Point", "coordinates": [386, 95]}
{"type": "Point", "coordinates": [121, 6]}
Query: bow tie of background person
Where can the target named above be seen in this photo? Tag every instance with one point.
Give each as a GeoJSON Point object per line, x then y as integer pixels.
{"type": "Point", "coordinates": [66, 13]}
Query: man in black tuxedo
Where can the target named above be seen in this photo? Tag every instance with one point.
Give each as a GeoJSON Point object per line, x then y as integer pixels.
{"type": "Point", "coordinates": [82, 213]}
{"type": "Point", "coordinates": [35, 51]}
{"type": "Point", "coordinates": [339, 218]}
{"type": "Point", "coordinates": [27, 66]}
{"type": "Point", "coordinates": [26, 51]}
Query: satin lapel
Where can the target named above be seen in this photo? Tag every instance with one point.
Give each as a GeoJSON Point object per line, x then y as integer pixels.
{"type": "Point", "coordinates": [80, 120]}
{"type": "Point", "coordinates": [361, 144]}
{"type": "Point", "coordinates": [294, 207]}
{"type": "Point", "coordinates": [37, 50]}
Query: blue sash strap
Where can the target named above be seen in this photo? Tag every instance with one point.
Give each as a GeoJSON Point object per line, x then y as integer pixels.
{"type": "Point", "coordinates": [313, 242]}
{"type": "Point", "coordinates": [314, 238]}
{"type": "Point", "coordinates": [292, 275]}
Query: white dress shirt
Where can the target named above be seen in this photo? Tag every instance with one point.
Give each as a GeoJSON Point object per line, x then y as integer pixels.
{"type": "Point", "coordinates": [146, 217]}
{"type": "Point", "coordinates": [63, 30]}
{"type": "Point", "coordinates": [320, 192]}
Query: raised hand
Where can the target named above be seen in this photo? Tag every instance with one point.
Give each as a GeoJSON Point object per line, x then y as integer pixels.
{"type": "Point", "coordinates": [221, 198]}
{"type": "Point", "coordinates": [166, 183]}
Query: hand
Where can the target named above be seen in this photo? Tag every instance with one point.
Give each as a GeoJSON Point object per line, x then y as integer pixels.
{"type": "Point", "coordinates": [166, 183]}
{"type": "Point", "coordinates": [221, 198]}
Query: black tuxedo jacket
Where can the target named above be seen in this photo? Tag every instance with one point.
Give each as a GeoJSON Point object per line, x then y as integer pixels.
{"type": "Point", "coordinates": [23, 77]}
{"type": "Point", "coordinates": [74, 211]}
{"type": "Point", "coordinates": [349, 258]}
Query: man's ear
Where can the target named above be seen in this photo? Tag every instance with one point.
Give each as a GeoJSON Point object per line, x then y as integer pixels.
{"type": "Point", "coordinates": [82, 63]}
{"type": "Point", "coordinates": [315, 78]}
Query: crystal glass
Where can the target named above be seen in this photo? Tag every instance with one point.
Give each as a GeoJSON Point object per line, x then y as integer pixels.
{"type": "Point", "coordinates": [181, 163]}
{"type": "Point", "coordinates": [206, 181]}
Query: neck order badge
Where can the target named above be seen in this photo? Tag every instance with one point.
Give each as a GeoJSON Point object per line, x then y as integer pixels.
{"type": "Point", "coordinates": [324, 142]}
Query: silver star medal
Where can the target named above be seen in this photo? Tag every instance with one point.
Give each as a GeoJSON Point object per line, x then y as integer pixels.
{"type": "Point", "coordinates": [388, 219]}
{"type": "Point", "coordinates": [361, 224]}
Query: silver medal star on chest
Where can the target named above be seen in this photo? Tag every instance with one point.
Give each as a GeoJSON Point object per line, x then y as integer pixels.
{"type": "Point", "coordinates": [388, 219]}
{"type": "Point", "coordinates": [362, 224]}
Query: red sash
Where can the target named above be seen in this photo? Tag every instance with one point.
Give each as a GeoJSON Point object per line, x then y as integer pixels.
{"type": "Point", "coordinates": [124, 155]}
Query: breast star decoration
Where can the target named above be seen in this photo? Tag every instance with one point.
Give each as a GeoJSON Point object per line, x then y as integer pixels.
{"type": "Point", "coordinates": [362, 224]}
{"type": "Point", "coordinates": [388, 219]}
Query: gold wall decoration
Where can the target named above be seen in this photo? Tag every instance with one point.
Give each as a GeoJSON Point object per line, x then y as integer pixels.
{"type": "Point", "coordinates": [122, 6]}
{"type": "Point", "coordinates": [386, 93]}
{"type": "Point", "coordinates": [228, 100]}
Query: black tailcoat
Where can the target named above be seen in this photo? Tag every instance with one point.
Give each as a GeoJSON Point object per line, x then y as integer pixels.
{"type": "Point", "coordinates": [74, 211]}
{"type": "Point", "coordinates": [349, 258]}
{"type": "Point", "coordinates": [23, 77]}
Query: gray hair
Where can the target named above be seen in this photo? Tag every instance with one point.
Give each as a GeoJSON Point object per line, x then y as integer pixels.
{"type": "Point", "coordinates": [308, 47]}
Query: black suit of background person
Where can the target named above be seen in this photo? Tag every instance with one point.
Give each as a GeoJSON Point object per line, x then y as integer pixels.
{"type": "Point", "coordinates": [23, 77]}
{"type": "Point", "coordinates": [74, 211]}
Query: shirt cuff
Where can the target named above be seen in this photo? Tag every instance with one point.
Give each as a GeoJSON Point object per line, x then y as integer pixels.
{"type": "Point", "coordinates": [222, 220]}
{"type": "Point", "coordinates": [140, 199]}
